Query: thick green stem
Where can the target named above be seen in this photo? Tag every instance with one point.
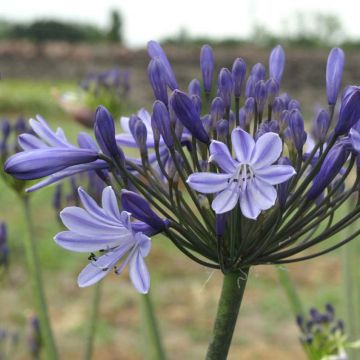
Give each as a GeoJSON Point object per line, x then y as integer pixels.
{"type": "Point", "coordinates": [90, 337]}
{"type": "Point", "coordinates": [290, 291]}
{"type": "Point", "coordinates": [37, 283]}
{"type": "Point", "coordinates": [153, 348]}
{"type": "Point", "coordinates": [228, 309]}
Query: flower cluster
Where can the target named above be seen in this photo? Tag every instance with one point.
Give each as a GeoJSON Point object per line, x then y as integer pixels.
{"type": "Point", "coordinates": [323, 336]}
{"type": "Point", "coordinates": [223, 167]}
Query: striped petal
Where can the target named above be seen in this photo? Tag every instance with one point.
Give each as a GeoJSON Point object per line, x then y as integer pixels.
{"type": "Point", "coordinates": [207, 182]}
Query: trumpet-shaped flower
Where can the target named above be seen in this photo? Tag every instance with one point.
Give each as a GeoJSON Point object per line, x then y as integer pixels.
{"type": "Point", "coordinates": [250, 178]}
{"type": "Point", "coordinates": [107, 230]}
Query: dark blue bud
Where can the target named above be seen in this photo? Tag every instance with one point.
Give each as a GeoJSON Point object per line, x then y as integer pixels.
{"type": "Point", "coordinates": [300, 321]}
{"type": "Point", "coordinates": [349, 111]}
{"type": "Point", "coordinates": [139, 132]}
{"type": "Point", "coordinates": [4, 248]}
{"type": "Point", "coordinates": [225, 85]}
{"type": "Point", "coordinates": [161, 118]}
{"type": "Point", "coordinates": [197, 103]}
{"type": "Point", "coordinates": [156, 51]}
{"type": "Point", "coordinates": [272, 88]}
{"type": "Point", "coordinates": [296, 127]}
{"type": "Point", "coordinates": [5, 129]}
{"type": "Point", "coordinates": [141, 210]}
{"type": "Point", "coordinates": [283, 188]}
{"type": "Point", "coordinates": [222, 129]}
{"type": "Point", "coordinates": [242, 118]}
{"type": "Point", "coordinates": [334, 73]}
{"type": "Point", "coordinates": [238, 75]}
{"type": "Point", "coordinates": [20, 126]}
{"type": "Point", "coordinates": [186, 112]}
{"type": "Point", "coordinates": [267, 126]}
{"type": "Point", "coordinates": [284, 119]}
{"type": "Point", "coordinates": [217, 110]}
{"type": "Point", "coordinates": [250, 86]}
{"type": "Point", "coordinates": [277, 63]}
{"type": "Point", "coordinates": [194, 88]}
{"type": "Point", "coordinates": [331, 166]}
{"type": "Point", "coordinates": [277, 107]}
{"type": "Point", "coordinates": [34, 339]}
{"type": "Point", "coordinates": [286, 99]}
{"type": "Point", "coordinates": [157, 78]}
{"type": "Point", "coordinates": [258, 72]}
{"type": "Point", "coordinates": [321, 126]}
{"type": "Point", "coordinates": [57, 203]}
{"type": "Point", "coordinates": [220, 223]}
{"type": "Point", "coordinates": [294, 104]}
{"type": "Point", "coordinates": [207, 65]}
{"type": "Point", "coordinates": [104, 129]}
{"type": "Point", "coordinates": [249, 108]}
{"type": "Point", "coordinates": [260, 95]}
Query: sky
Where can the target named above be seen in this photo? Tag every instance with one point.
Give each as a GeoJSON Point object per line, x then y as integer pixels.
{"type": "Point", "coordinates": [157, 19]}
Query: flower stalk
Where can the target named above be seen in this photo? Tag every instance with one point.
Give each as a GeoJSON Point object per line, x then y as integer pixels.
{"type": "Point", "coordinates": [228, 309]}
{"type": "Point", "coordinates": [37, 283]}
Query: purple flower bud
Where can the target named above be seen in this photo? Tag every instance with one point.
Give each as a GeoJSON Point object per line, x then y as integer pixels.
{"type": "Point", "coordinates": [286, 99]}
{"type": "Point", "coordinates": [104, 129]}
{"type": "Point", "coordinates": [207, 65]}
{"type": "Point", "coordinates": [222, 129]}
{"type": "Point", "coordinates": [283, 188]}
{"type": "Point", "coordinates": [194, 88]}
{"type": "Point", "coordinates": [4, 248]}
{"type": "Point", "coordinates": [272, 88]}
{"type": "Point", "coordinates": [156, 51]}
{"type": "Point", "coordinates": [260, 95]}
{"type": "Point", "coordinates": [139, 132]}
{"type": "Point", "coordinates": [220, 223]}
{"type": "Point", "coordinates": [296, 129]}
{"type": "Point", "coordinates": [57, 203]}
{"type": "Point", "coordinates": [20, 126]}
{"type": "Point", "coordinates": [197, 103]}
{"type": "Point", "coordinates": [294, 104]}
{"type": "Point", "coordinates": [238, 75]}
{"type": "Point", "coordinates": [321, 126]}
{"type": "Point", "coordinates": [258, 72]}
{"type": "Point", "coordinates": [267, 126]}
{"type": "Point", "coordinates": [157, 78]}
{"type": "Point", "coordinates": [277, 63]}
{"type": "Point", "coordinates": [349, 110]}
{"type": "Point", "coordinates": [34, 337]}
{"type": "Point", "coordinates": [141, 210]}
{"type": "Point", "coordinates": [277, 107]}
{"type": "Point", "coordinates": [249, 108]}
{"type": "Point", "coordinates": [242, 118]}
{"type": "Point", "coordinates": [225, 85]}
{"type": "Point", "coordinates": [250, 86]}
{"type": "Point", "coordinates": [161, 118]}
{"type": "Point", "coordinates": [331, 166]}
{"type": "Point", "coordinates": [334, 72]}
{"type": "Point", "coordinates": [207, 123]}
{"type": "Point", "coordinates": [217, 110]}
{"type": "Point", "coordinates": [5, 128]}
{"type": "Point", "coordinates": [186, 112]}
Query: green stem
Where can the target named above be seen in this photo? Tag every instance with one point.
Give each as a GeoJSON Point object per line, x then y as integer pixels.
{"type": "Point", "coordinates": [90, 337]}
{"type": "Point", "coordinates": [153, 348]}
{"type": "Point", "coordinates": [37, 283]}
{"type": "Point", "coordinates": [290, 291]}
{"type": "Point", "coordinates": [228, 309]}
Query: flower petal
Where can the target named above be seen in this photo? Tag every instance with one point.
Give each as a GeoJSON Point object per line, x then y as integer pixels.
{"type": "Point", "coordinates": [80, 243]}
{"type": "Point", "coordinates": [208, 183]}
{"type": "Point", "coordinates": [79, 221]}
{"type": "Point", "coordinates": [30, 142]}
{"type": "Point", "coordinates": [249, 207]}
{"type": "Point", "coordinates": [139, 273]}
{"type": "Point", "coordinates": [226, 200]}
{"type": "Point", "coordinates": [267, 150]}
{"type": "Point", "coordinates": [124, 123]}
{"type": "Point", "coordinates": [110, 204]}
{"type": "Point", "coordinates": [221, 155]}
{"type": "Point", "coordinates": [243, 145]}
{"type": "Point", "coordinates": [262, 193]}
{"type": "Point", "coordinates": [275, 174]}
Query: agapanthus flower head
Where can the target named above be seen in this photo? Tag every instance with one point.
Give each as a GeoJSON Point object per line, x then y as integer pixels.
{"type": "Point", "coordinates": [249, 179]}
{"type": "Point", "coordinates": [110, 232]}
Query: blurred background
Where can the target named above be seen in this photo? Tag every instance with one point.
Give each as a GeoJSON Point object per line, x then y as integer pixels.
{"type": "Point", "coordinates": [61, 60]}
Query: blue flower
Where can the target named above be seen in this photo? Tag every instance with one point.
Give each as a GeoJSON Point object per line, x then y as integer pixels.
{"type": "Point", "coordinates": [250, 178]}
{"type": "Point", "coordinates": [109, 231]}
{"type": "Point", "coordinates": [48, 153]}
